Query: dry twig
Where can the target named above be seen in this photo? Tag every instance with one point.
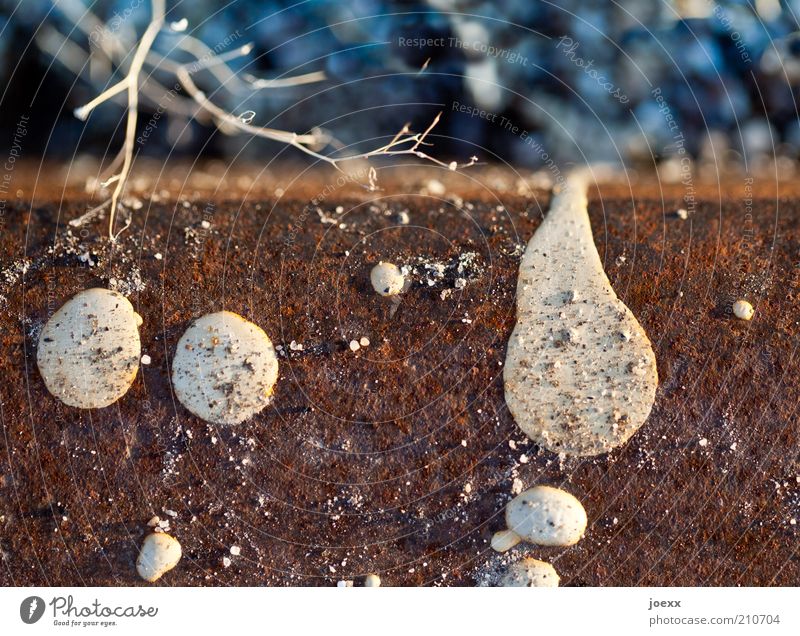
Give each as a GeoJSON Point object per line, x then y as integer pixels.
{"type": "Point", "coordinates": [405, 142]}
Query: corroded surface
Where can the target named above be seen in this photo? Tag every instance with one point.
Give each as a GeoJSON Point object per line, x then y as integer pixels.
{"type": "Point", "coordinates": [366, 455]}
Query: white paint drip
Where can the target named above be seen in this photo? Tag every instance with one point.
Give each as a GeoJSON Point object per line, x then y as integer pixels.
{"type": "Point", "coordinates": [580, 374]}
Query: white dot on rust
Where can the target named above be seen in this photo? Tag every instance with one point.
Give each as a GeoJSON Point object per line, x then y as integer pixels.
{"type": "Point", "coordinates": [159, 554]}
{"type": "Point", "coordinates": [580, 375]}
{"type": "Point", "coordinates": [530, 573]}
{"type": "Point", "coordinates": [743, 310]}
{"type": "Point", "coordinates": [542, 515]}
{"type": "Point", "coordinates": [224, 368]}
{"type": "Point", "coordinates": [89, 350]}
{"type": "Point", "coordinates": [387, 279]}
{"type": "Point", "coordinates": [372, 580]}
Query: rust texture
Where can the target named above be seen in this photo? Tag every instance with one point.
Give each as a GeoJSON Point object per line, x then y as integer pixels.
{"type": "Point", "coordinates": [360, 463]}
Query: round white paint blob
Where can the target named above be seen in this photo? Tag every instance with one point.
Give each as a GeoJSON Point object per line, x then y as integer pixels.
{"type": "Point", "coordinates": [530, 573]}
{"type": "Point", "coordinates": [159, 554]}
{"type": "Point", "coordinates": [543, 515]}
{"type": "Point", "coordinates": [89, 350]}
{"type": "Point", "coordinates": [580, 374]}
{"type": "Point", "coordinates": [743, 310]}
{"type": "Point", "coordinates": [387, 279]}
{"type": "Point", "coordinates": [224, 368]}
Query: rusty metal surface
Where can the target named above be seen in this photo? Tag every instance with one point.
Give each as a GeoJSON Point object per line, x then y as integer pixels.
{"type": "Point", "coordinates": [362, 461]}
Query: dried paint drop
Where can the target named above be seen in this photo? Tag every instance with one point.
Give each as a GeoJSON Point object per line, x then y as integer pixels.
{"type": "Point", "coordinates": [542, 515]}
{"type": "Point", "coordinates": [159, 554]}
{"type": "Point", "coordinates": [89, 350]}
{"type": "Point", "coordinates": [372, 580]}
{"type": "Point", "coordinates": [530, 573]}
{"type": "Point", "coordinates": [580, 374]}
{"type": "Point", "coordinates": [743, 310]}
{"type": "Point", "coordinates": [387, 279]}
{"type": "Point", "coordinates": [224, 369]}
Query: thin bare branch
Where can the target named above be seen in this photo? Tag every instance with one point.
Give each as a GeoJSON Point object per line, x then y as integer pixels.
{"type": "Point", "coordinates": [132, 79]}
{"type": "Point", "coordinates": [405, 142]}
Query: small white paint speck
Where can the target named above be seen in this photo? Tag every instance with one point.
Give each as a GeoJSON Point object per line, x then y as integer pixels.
{"type": "Point", "coordinates": [743, 310]}
{"type": "Point", "coordinates": [146, 359]}
{"type": "Point", "coordinates": [703, 442]}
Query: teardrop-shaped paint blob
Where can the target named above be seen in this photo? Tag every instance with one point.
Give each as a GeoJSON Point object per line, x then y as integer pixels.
{"type": "Point", "coordinates": [580, 374]}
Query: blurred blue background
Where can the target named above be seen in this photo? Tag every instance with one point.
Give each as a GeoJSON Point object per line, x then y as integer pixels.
{"type": "Point", "coordinates": [574, 80]}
